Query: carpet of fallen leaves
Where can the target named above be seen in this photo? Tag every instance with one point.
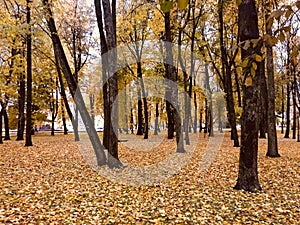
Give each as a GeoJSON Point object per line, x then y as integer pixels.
{"type": "Point", "coordinates": [50, 183]}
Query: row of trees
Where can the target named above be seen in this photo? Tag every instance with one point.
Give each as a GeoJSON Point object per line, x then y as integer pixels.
{"type": "Point", "coordinates": [238, 49]}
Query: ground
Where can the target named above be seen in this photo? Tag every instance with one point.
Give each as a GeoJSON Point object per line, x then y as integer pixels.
{"type": "Point", "coordinates": [51, 183]}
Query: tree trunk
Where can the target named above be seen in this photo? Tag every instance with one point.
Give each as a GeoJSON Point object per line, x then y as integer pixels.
{"type": "Point", "coordinates": [169, 75]}
{"type": "Point", "coordinates": [140, 114]}
{"type": "Point", "coordinates": [63, 117]}
{"type": "Point", "coordinates": [6, 125]}
{"type": "Point", "coordinates": [226, 72]}
{"type": "Point", "coordinates": [21, 108]}
{"type": "Point", "coordinates": [76, 94]}
{"type": "Point", "coordinates": [282, 108]}
{"type": "Point", "coordinates": [185, 84]}
{"type": "Point", "coordinates": [29, 79]}
{"type": "Point", "coordinates": [272, 135]}
{"type": "Point", "coordinates": [156, 118]}
{"type": "Point", "coordinates": [248, 174]}
{"type": "Point", "coordinates": [173, 111]}
{"type": "Point", "coordinates": [1, 115]}
{"type": "Point", "coordinates": [288, 105]}
{"type": "Point", "coordinates": [110, 30]}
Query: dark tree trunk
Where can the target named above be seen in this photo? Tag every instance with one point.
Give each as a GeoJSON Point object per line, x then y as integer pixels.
{"type": "Point", "coordinates": [288, 105]}
{"type": "Point", "coordinates": [169, 75]}
{"type": "Point", "coordinates": [248, 174]}
{"type": "Point", "coordinates": [110, 29]}
{"type": "Point", "coordinates": [173, 110]}
{"type": "Point", "coordinates": [140, 115]}
{"type": "Point", "coordinates": [271, 124]}
{"type": "Point", "coordinates": [206, 117]}
{"type": "Point", "coordinates": [29, 80]}
{"type": "Point", "coordinates": [54, 109]}
{"type": "Point", "coordinates": [156, 118]}
{"type": "Point", "coordinates": [200, 121]}
{"type": "Point", "coordinates": [1, 125]}
{"type": "Point", "coordinates": [63, 117]}
{"type": "Point", "coordinates": [6, 125]}
{"type": "Point", "coordinates": [21, 108]}
{"type": "Point", "coordinates": [282, 108]}
{"type": "Point", "coordinates": [104, 50]}
{"type": "Point", "coordinates": [76, 94]}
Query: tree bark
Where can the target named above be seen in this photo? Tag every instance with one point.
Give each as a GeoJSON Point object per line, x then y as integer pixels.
{"type": "Point", "coordinates": [21, 108]}
{"type": "Point", "coordinates": [288, 105]}
{"type": "Point", "coordinates": [248, 174]}
{"type": "Point", "coordinates": [6, 125]}
{"type": "Point", "coordinates": [110, 30]}
{"type": "Point", "coordinates": [28, 141]}
{"type": "Point", "coordinates": [1, 115]}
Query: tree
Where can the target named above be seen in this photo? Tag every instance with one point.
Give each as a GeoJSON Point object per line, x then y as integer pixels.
{"type": "Point", "coordinates": [248, 30]}
{"type": "Point", "coordinates": [108, 29]}
{"type": "Point", "coordinates": [271, 118]}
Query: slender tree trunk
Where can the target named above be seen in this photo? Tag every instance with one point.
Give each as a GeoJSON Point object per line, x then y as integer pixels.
{"type": "Point", "coordinates": [63, 117]}
{"type": "Point", "coordinates": [6, 125]}
{"type": "Point", "coordinates": [271, 118]}
{"type": "Point", "coordinates": [282, 108]}
{"type": "Point", "coordinates": [288, 105]}
{"type": "Point", "coordinates": [156, 118]}
{"type": "Point", "coordinates": [248, 174]}
{"type": "Point", "coordinates": [1, 125]}
{"type": "Point", "coordinates": [140, 115]}
{"type": "Point", "coordinates": [21, 108]}
{"type": "Point", "coordinates": [200, 122]}
{"type": "Point", "coordinates": [169, 75]}
{"type": "Point", "coordinates": [29, 80]}
{"type": "Point", "coordinates": [186, 99]}
{"type": "Point", "coordinates": [226, 72]}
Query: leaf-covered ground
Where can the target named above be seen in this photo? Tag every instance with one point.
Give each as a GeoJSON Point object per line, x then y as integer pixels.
{"type": "Point", "coordinates": [50, 183]}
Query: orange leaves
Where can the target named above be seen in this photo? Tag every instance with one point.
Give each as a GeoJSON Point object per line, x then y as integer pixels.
{"type": "Point", "coordinates": [50, 183]}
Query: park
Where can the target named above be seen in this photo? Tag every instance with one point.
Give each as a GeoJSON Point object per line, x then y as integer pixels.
{"type": "Point", "coordinates": [149, 112]}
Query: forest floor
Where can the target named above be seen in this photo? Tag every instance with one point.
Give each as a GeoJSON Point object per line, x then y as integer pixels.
{"type": "Point", "coordinates": [52, 183]}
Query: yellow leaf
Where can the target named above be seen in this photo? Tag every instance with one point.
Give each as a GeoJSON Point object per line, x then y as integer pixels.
{"type": "Point", "coordinates": [258, 58]}
{"type": "Point", "coordinates": [245, 63]}
{"type": "Point", "coordinates": [254, 65]}
{"type": "Point", "coordinates": [248, 81]}
{"type": "Point", "coordinates": [182, 4]}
